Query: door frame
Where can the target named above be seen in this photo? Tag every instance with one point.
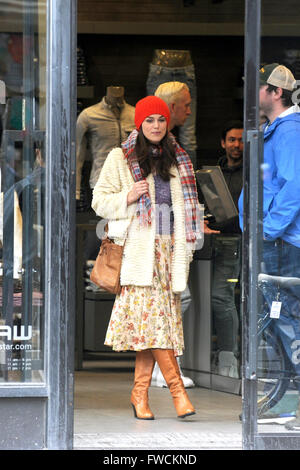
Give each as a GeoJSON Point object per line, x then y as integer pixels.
{"type": "Point", "coordinates": [60, 222]}
{"type": "Point", "coordinates": [252, 200]}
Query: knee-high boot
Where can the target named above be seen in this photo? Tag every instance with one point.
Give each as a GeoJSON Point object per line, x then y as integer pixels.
{"type": "Point", "coordinates": [169, 367]}
{"type": "Point", "coordinates": [144, 364]}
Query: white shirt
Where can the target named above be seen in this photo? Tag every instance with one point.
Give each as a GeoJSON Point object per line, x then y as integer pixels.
{"type": "Point", "coordinates": [292, 109]}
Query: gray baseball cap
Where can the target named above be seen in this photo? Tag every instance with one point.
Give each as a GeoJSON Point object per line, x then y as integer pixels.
{"type": "Point", "coordinates": [277, 75]}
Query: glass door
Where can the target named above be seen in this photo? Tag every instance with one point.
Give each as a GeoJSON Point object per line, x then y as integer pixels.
{"type": "Point", "coordinates": [271, 235]}
{"type": "Point", "coordinates": [37, 222]}
{"type": "Point", "coordinates": [22, 204]}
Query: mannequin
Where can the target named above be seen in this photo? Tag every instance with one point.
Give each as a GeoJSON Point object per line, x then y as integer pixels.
{"type": "Point", "coordinates": [177, 65]}
{"type": "Point", "coordinates": [115, 95]}
{"type": "Point", "coordinates": [99, 129]}
{"type": "Point", "coordinates": [115, 99]}
{"type": "Point", "coordinates": [171, 58]}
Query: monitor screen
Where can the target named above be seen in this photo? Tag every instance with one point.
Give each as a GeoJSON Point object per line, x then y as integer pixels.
{"type": "Point", "coordinates": [216, 193]}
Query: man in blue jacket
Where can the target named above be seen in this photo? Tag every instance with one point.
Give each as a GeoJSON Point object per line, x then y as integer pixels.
{"type": "Point", "coordinates": [281, 156]}
{"type": "Point", "coordinates": [281, 199]}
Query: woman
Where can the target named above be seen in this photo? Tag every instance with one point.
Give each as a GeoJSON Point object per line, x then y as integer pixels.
{"type": "Point", "coordinates": [147, 191]}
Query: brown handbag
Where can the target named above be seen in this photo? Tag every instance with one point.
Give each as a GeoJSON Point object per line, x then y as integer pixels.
{"type": "Point", "coordinates": [107, 268]}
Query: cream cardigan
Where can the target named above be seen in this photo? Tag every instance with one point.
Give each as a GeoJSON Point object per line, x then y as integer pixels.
{"type": "Point", "coordinates": [110, 202]}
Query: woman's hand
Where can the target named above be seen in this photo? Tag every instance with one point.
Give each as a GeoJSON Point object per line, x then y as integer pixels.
{"type": "Point", "coordinates": [138, 189]}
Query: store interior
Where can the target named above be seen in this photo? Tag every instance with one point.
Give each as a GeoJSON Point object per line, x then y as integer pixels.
{"type": "Point", "coordinates": [101, 374]}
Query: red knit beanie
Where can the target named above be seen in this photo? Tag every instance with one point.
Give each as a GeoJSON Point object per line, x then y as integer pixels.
{"type": "Point", "coordinates": [150, 105]}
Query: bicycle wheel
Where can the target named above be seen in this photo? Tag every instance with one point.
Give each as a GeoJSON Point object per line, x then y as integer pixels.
{"type": "Point", "coordinates": [273, 371]}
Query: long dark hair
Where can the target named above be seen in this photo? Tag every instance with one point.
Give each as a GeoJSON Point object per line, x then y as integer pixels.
{"type": "Point", "coordinates": [160, 165]}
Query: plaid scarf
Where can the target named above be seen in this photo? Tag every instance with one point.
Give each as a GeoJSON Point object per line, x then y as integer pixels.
{"type": "Point", "coordinates": [188, 184]}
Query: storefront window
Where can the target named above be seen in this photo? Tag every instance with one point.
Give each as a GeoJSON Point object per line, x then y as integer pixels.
{"type": "Point", "coordinates": [22, 204]}
{"type": "Point", "coordinates": [278, 348]}
{"type": "Point", "coordinates": [271, 248]}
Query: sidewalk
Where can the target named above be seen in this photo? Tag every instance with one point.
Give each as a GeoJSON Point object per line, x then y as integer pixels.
{"type": "Point", "coordinates": [104, 419]}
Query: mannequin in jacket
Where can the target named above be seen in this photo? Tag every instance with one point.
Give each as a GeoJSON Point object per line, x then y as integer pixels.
{"type": "Point", "coordinates": [115, 99]}
{"type": "Point", "coordinates": [99, 129]}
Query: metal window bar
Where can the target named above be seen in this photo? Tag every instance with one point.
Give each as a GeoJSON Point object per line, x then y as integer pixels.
{"type": "Point", "coordinates": [252, 232]}
{"type": "Point", "coordinates": [60, 219]}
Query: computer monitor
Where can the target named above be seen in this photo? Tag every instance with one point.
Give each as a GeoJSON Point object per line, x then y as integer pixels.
{"type": "Point", "coordinates": [216, 193]}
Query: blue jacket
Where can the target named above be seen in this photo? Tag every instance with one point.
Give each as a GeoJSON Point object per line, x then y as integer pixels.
{"type": "Point", "coordinates": [281, 194]}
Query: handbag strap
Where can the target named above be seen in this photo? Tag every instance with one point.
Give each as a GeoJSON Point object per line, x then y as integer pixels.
{"type": "Point", "coordinates": [106, 230]}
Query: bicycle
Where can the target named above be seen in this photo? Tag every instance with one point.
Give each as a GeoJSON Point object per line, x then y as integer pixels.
{"type": "Point", "coordinates": [276, 373]}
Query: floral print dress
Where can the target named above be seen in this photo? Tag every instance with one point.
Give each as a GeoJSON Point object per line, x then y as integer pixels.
{"type": "Point", "coordinates": [149, 317]}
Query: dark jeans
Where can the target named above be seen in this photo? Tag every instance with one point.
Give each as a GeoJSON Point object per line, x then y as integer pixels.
{"type": "Point", "coordinates": [283, 259]}
{"type": "Point", "coordinates": [226, 270]}
{"type": "Point", "coordinates": [161, 74]}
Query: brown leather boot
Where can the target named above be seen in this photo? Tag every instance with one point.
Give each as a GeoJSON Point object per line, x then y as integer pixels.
{"type": "Point", "coordinates": [144, 364]}
{"type": "Point", "coordinates": [168, 365]}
